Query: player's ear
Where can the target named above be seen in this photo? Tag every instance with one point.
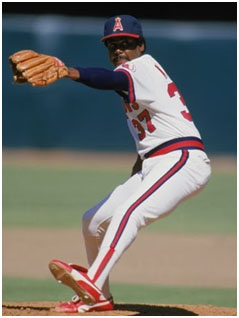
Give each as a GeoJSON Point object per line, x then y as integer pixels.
{"type": "Point", "coordinates": [142, 49]}
{"type": "Point", "coordinates": [142, 45]}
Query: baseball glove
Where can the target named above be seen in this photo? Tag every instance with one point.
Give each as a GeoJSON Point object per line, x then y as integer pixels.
{"type": "Point", "coordinates": [35, 68]}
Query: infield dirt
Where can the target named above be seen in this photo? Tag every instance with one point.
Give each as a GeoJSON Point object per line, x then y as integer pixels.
{"type": "Point", "coordinates": [206, 268]}
{"type": "Point", "coordinates": [47, 309]}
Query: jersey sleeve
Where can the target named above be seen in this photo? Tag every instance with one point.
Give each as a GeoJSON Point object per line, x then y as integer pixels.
{"type": "Point", "coordinates": [102, 78]}
{"type": "Point", "coordinates": [131, 98]}
{"type": "Point", "coordinates": [141, 85]}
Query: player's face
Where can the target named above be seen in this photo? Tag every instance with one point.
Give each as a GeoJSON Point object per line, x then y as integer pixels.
{"type": "Point", "coordinates": [123, 49]}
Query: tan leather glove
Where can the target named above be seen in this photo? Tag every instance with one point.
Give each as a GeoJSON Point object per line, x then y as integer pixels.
{"type": "Point", "coordinates": [36, 69]}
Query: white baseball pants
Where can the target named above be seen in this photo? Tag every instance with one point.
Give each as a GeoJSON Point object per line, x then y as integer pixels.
{"type": "Point", "coordinates": [111, 226]}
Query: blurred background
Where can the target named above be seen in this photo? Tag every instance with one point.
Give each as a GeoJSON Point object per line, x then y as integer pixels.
{"type": "Point", "coordinates": [66, 146]}
{"type": "Point", "coordinates": [194, 42]}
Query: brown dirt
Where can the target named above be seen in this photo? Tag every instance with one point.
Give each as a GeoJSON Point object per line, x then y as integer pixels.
{"type": "Point", "coordinates": [214, 266]}
{"type": "Point", "coordinates": [91, 159]}
{"type": "Point", "coordinates": [47, 309]}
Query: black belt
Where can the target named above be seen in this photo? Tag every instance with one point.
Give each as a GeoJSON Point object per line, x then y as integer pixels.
{"type": "Point", "coordinates": [176, 144]}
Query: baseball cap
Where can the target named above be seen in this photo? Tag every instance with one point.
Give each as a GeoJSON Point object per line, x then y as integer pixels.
{"type": "Point", "coordinates": [122, 25]}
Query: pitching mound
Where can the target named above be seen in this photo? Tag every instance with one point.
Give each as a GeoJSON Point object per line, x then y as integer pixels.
{"type": "Point", "coordinates": [47, 309]}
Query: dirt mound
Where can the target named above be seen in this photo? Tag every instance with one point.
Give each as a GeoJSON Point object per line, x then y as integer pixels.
{"type": "Point", "coordinates": [47, 309]}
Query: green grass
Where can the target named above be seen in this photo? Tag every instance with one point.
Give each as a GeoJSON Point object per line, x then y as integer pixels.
{"type": "Point", "coordinates": [49, 290]}
{"type": "Point", "coordinates": [52, 197]}
{"type": "Point", "coordinates": [56, 197]}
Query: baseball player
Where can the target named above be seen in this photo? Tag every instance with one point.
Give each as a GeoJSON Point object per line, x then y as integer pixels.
{"type": "Point", "coordinates": [171, 165]}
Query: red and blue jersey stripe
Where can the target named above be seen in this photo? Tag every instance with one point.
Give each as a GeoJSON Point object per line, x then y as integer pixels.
{"type": "Point", "coordinates": [131, 91]}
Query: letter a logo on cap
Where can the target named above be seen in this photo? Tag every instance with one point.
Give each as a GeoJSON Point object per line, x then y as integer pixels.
{"type": "Point", "coordinates": [118, 25]}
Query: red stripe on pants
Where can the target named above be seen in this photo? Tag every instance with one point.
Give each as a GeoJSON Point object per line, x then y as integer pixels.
{"type": "Point", "coordinates": [125, 219]}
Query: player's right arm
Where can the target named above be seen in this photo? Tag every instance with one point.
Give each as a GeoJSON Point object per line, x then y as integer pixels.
{"type": "Point", "coordinates": [137, 166]}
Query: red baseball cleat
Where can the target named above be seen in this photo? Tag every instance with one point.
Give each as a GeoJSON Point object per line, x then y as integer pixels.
{"type": "Point", "coordinates": [76, 305]}
{"type": "Point", "coordinates": [82, 285]}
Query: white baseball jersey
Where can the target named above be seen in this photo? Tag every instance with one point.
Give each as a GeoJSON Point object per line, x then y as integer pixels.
{"type": "Point", "coordinates": [155, 109]}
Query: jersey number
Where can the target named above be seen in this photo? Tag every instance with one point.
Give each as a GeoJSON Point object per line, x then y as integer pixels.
{"type": "Point", "coordinates": [173, 91]}
{"type": "Point", "coordinates": [144, 115]}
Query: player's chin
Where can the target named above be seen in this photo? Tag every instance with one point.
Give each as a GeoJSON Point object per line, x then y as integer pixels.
{"type": "Point", "coordinates": [119, 61]}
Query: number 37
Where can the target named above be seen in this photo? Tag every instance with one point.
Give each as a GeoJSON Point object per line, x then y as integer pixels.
{"type": "Point", "coordinates": [144, 115]}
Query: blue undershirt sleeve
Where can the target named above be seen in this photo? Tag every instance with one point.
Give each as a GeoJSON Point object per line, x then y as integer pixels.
{"type": "Point", "coordinates": [103, 79]}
